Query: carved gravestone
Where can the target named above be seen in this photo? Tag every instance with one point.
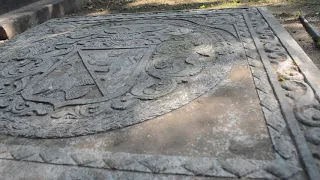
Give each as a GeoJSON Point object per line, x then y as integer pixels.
{"type": "Point", "coordinates": [92, 77]}
{"type": "Point", "coordinates": [222, 92]}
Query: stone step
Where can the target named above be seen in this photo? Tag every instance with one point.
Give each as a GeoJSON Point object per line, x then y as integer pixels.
{"type": "Point", "coordinates": [11, 5]}
{"type": "Point", "coordinates": [20, 20]}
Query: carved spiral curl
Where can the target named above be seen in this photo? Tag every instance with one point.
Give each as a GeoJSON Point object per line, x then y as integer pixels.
{"type": "Point", "coordinates": [309, 115]}
{"type": "Point", "coordinates": [25, 67]}
{"type": "Point", "coordinates": [174, 58]}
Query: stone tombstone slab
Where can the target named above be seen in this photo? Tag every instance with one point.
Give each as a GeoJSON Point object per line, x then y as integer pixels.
{"type": "Point", "coordinates": [209, 94]}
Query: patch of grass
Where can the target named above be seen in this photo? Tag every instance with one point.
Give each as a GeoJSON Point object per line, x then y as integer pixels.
{"type": "Point", "coordinates": [280, 79]}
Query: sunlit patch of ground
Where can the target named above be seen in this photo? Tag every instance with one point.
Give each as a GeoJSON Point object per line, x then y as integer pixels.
{"type": "Point", "coordinates": [167, 2]}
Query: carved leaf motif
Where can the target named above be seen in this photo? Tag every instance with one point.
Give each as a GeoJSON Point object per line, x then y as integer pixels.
{"type": "Point", "coordinates": [25, 67]}
{"type": "Point", "coordinates": [309, 115]}
{"type": "Point", "coordinates": [313, 135]}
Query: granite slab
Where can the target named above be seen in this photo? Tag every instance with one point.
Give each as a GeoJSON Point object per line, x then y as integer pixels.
{"type": "Point", "coordinates": [198, 94]}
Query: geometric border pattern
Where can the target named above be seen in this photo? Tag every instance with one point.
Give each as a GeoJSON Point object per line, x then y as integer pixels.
{"type": "Point", "coordinates": [178, 165]}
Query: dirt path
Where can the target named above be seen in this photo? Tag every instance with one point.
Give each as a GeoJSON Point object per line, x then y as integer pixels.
{"type": "Point", "coordinates": [285, 11]}
{"type": "Point", "coordinates": [289, 21]}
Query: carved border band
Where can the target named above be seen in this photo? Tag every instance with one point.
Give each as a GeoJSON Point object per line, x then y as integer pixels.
{"type": "Point", "coordinates": [291, 88]}
{"type": "Point", "coordinates": [178, 165]}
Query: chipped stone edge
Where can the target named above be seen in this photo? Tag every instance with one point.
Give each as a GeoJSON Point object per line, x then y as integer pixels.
{"type": "Point", "coordinates": [179, 165]}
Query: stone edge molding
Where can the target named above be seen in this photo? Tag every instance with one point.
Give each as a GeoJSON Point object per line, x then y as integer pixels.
{"type": "Point", "coordinates": [284, 166]}
{"type": "Point", "coordinates": [160, 164]}
{"type": "Point", "coordinates": [303, 74]}
{"type": "Point", "coordinates": [18, 21]}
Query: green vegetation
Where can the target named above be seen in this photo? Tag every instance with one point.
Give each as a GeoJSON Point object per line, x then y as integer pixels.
{"type": "Point", "coordinates": [280, 79]}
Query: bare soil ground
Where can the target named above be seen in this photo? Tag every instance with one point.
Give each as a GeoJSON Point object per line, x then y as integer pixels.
{"type": "Point", "coordinates": [286, 11]}
{"type": "Point", "coordinates": [287, 16]}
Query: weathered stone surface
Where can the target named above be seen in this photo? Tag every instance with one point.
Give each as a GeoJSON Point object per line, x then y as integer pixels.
{"type": "Point", "coordinates": [313, 135]}
{"type": "Point", "coordinates": [29, 170]}
{"type": "Point", "coordinates": [22, 152]}
{"type": "Point", "coordinates": [205, 166]}
{"type": "Point", "coordinates": [56, 156]}
{"type": "Point", "coordinates": [81, 78]}
{"type": "Point", "coordinates": [284, 147]}
{"type": "Point", "coordinates": [224, 95]}
{"type": "Point", "coordinates": [282, 169]}
{"type": "Point", "coordinates": [240, 167]}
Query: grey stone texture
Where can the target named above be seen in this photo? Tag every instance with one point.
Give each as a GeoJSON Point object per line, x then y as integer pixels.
{"type": "Point", "coordinates": [107, 77]}
{"type": "Point", "coordinates": [167, 95]}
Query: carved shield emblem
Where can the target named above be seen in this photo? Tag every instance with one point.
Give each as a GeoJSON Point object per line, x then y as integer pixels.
{"type": "Point", "coordinates": [90, 76]}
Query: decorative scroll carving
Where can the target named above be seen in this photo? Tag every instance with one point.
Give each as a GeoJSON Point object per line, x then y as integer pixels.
{"type": "Point", "coordinates": [88, 77]}
{"type": "Point", "coordinates": [183, 53]}
{"type": "Point", "coordinates": [301, 97]}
